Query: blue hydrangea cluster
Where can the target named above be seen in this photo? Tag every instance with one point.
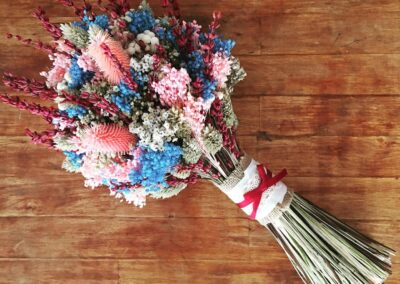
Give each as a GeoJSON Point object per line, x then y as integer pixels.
{"type": "Point", "coordinates": [78, 75]}
{"type": "Point", "coordinates": [223, 45]}
{"type": "Point", "coordinates": [140, 78]}
{"type": "Point", "coordinates": [75, 111]}
{"type": "Point", "coordinates": [74, 159]}
{"type": "Point", "coordinates": [101, 21]}
{"type": "Point", "coordinates": [82, 25]}
{"type": "Point", "coordinates": [124, 98]}
{"type": "Point", "coordinates": [208, 89]}
{"type": "Point", "coordinates": [195, 64]}
{"type": "Point", "coordinates": [122, 102]}
{"type": "Point", "coordinates": [154, 165]}
{"type": "Point", "coordinates": [166, 35]}
{"type": "Point", "coordinates": [141, 20]}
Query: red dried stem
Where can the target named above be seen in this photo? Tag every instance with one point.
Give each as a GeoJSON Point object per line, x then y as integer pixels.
{"type": "Point", "coordinates": [36, 44]}
{"type": "Point", "coordinates": [31, 86]}
{"type": "Point", "coordinates": [45, 137]}
{"type": "Point", "coordinates": [48, 113]}
{"type": "Point", "coordinates": [53, 29]}
{"type": "Point", "coordinates": [117, 7]}
{"type": "Point", "coordinates": [171, 8]}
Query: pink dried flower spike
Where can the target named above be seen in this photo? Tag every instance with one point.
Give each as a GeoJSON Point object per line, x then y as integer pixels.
{"type": "Point", "coordinates": [108, 139]}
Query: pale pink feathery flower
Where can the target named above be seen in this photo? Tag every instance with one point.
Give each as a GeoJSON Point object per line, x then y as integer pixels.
{"type": "Point", "coordinates": [221, 68]}
{"type": "Point", "coordinates": [107, 138]}
{"type": "Point", "coordinates": [173, 86]}
{"type": "Point", "coordinates": [104, 61]}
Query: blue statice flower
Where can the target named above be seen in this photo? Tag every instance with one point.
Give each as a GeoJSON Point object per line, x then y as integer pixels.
{"type": "Point", "coordinates": [82, 25]}
{"type": "Point", "coordinates": [154, 165]}
{"type": "Point", "coordinates": [195, 64]}
{"type": "Point", "coordinates": [223, 45]}
{"type": "Point", "coordinates": [74, 159]}
{"type": "Point", "coordinates": [141, 20]}
{"type": "Point", "coordinates": [165, 34]}
{"type": "Point", "coordinates": [125, 91]}
{"type": "Point", "coordinates": [101, 21]}
{"type": "Point", "coordinates": [140, 78]}
{"type": "Point", "coordinates": [78, 75]}
{"type": "Point", "coordinates": [75, 111]}
{"type": "Point", "coordinates": [208, 89]}
{"type": "Point", "coordinates": [122, 102]}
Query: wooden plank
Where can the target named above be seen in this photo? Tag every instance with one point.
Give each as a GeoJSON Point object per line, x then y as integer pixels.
{"type": "Point", "coordinates": [321, 74]}
{"type": "Point", "coordinates": [246, 271]}
{"type": "Point", "coordinates": [286, 74]}
{"type": "Point", "coordinates": [24, 8]}
{"type": "Point", "coordinates": [58, 271]}
{"type": "Point", "coordinates": [124, 238]}
{"type": "Point", "coordinates": [329, 33]}
{"type": "Point", "coordinates": [292, 116]}
{"type": "Point", "coordinates": [332, 156]}
{"type": "Point", "coordinates": [346, 198]}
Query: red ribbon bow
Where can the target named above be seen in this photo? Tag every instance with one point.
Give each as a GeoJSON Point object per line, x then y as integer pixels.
{"type": "Point", "coordinates": [254, 196]}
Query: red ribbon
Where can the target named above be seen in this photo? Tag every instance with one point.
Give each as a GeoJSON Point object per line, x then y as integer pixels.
{"type": "Point", "coordinates": [254, 196]}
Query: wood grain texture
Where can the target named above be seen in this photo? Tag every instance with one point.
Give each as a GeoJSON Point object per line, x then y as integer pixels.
{"type": "Point", "coordinates": [321, 99]}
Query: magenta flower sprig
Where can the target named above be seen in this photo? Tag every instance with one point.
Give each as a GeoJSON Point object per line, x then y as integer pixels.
{"type": "Point", "coordinates": [44, 138]}
{"type": "Point", "coordinates": [53, 29]}
{"type": "Point", "coordinates": [31, 86]}
{"type": "Point", "coordinates": [48, 48]}
{"type": "Point", "coordinates": [116, 7]}
{"type": "Point", "coordinates": [48, 113]}
{"type": "Point", "coordinates": [171, 8]}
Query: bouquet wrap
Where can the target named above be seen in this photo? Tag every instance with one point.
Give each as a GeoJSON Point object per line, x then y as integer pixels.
{"type": "Point", "coordinates": [142, 106]}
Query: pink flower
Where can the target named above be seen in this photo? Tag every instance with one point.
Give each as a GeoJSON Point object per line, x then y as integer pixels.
{"type": "Point", "coordinates": [61, 64]}
{"type": "Point", "coordinates": [109, 55]}
{"type": "Point", "coordinates": [173, 87]}
{"type": "Point", "coordinates": [86, 63]}
{"type": "Point", "coordinates": [221, 68]}
{"type": "Point", "coordinates": [107, 138]}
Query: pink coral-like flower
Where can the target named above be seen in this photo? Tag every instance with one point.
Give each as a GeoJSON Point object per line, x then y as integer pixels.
{"type": "Point", "coordinates": [104, 60]}
{"type": "Point", "coordinates": [107, 138]}
{"type": "Point", "coordinates": [173, 87]}
{"type": "Point", "coordinates": [221, 68]}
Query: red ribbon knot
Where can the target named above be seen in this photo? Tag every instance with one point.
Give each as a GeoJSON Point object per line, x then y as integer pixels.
{"type": "Point", "coordinates": [266, 181]}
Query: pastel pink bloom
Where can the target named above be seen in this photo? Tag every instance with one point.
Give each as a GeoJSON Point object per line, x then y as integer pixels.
{"type": "Point", "coordinates": [61, 64]}
{"type": "Point", "coordinates": [120, 171]}
{"type": "Point", "coordinates": [86, 62]}
{"type": "Point", "coordinates": [62, 47]}
{"type": "Point", "coordinates": [104, 61]}
{"type": "Point", "coordinates": [107, 138]}
{"type": "Point", "coordinates": [194, 113]}
{"type": "Point", "coordinates": [95, 172]}
{"type": "Point", "coordinates": [173, 86]}
{"type": "Point", "coordinates": [54, 76]}
{"type": "Point", "coordinates": [221, 68]}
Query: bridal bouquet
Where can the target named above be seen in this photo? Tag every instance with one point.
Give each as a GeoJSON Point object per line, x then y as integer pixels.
{"type": "Point", "coordinates": [142, 106]}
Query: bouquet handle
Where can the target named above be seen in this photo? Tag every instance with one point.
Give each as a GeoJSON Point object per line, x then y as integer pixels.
{"type": "Point", "coordinates": [321, 248]}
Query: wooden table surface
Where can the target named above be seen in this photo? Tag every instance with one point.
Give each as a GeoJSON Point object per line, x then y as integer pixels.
{"type": "Point", "coordinates": [322, 98]}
